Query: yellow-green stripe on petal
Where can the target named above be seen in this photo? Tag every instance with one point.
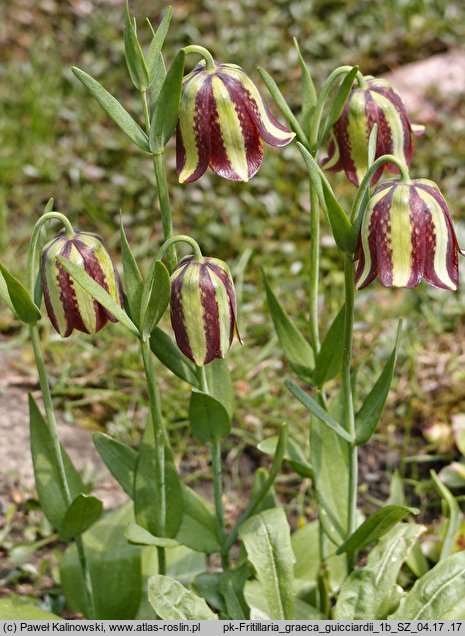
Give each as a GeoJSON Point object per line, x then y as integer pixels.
{"type": "Point", "coordinates": [400, 239]}
{"type": "Point", "coordinates": [232, 137]}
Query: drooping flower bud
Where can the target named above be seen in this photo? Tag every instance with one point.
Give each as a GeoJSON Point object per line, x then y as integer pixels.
{"type": "Point", "coordinates": [68, 305]}
{"type": "Point", "coordinates": [222, 122]}
{"type": "Point", "coordinates": [203, 309]}
{"type": "Point", "coordinates": [376, 103]}
{"type": "Point", "coordinates": [406, 235]}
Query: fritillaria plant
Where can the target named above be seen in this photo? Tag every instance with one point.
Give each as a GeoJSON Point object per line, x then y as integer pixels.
{"type": "Point", "coordinates": [402, 233]}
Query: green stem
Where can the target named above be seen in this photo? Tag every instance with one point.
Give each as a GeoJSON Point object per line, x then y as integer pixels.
{"type": "Point", "coordinates": [159, 437]}
{"type": "Point", "coordinates": [52, 426]}
{"type": "Point", "coordinates": [180, 238]}
{"type": "Point", "coordinates": [35, 291]}
{"type": "Point", "coordinates": [347, 390]}
{"type": "Point", "coordinates": [162, 187]}
{"type": "Point", "coordinates": [45, 390]}
{"type": "Point", "coordinates": [357, 205]}
{"type": "Point", "coordinates": [49, 411]}
{"type": "Point", "coordinates": [207, 56]}
{"type": "Point", "coordinates": [215, 448]}
{"type": "Point", "coordinates": [145, 110]}
{"type": "Point", "coordinates": [165, 205]}
{"type": "Point", "coordinates": [314, 268]}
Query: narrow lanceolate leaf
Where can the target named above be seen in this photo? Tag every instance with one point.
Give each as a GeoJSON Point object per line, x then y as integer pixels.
{"type": "Point", "coordinates": [340, 225]}
{"type": "Point", "coordinates": [166, 110]}
{"type": "Point", "coordinates": [337, 105]}
{"type": "Point", "coordinates": [329, 358]}
{"type": "Point", "coordinates": [266, 537]}
{"type": "Point", "coordinates": [159, 74]}
{"type": "Point", "coordinates": [15, 295]}
{"type": "Point", "coordinates": [436, 593]}
{"type": "Point", "coordinates": [313, 406]}
{"type": "Point", "coordinates": [100, 295]}
{"type": "Point", "coordinates": [121, 460]}
{"type": "Point", "coordinates": [113, 108]}
{"type": "Point", "coordinates": [133, 283]}
{"type": "Point", "coordinates": [134, 56]}
{"type": "Point", "coordinates": [156, 44]}
{"type": "Point", "coordinates": [308, 94]}
{"type": "Point", "coordinates": [172, 601]}
{"type": "Point", "coordinates": [372, 408]}
{"type": "Point", "coordinates": [374, 527]}
{"type": "Point", "coordinates": [155, 298]}
{"type": "Point", "coordinates": [453, 512]}
{"type": "Point", "coordinates": [296, 349]}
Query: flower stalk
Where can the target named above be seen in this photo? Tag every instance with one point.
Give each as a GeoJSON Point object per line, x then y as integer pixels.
{"type": "Point", "coordinates": [215, 450]}
{"type": "Point", "coordinates": [159, 437]}
{"type": "Point", "coordinates": [46, 394]}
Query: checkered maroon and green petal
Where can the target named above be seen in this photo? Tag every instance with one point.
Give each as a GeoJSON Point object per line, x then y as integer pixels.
{"type": "Point", "coordinates": [379, 104]}
{"type": "Point", "coordinates": [407, 235]}
{"type": "Point", "coordinates": [68, 305]}
{"type": "Point", "coordinates": [222, 124]}
{"type": "Point", "coordinates": [203, 309]}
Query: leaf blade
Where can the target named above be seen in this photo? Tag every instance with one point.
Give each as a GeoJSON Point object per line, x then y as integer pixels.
{"type": "Point", "coordinates": [121, 460]}
{"type": "Point", "coordinates": [372, 408]}
{"type": "Point", "coordinates": [155, 298]}
{"type": "Point", "coordinates": [374, 527]}
{"type": "Point", "coordinates": [100, 294]}
{"type": "Point", "coordinates": [114, 109]}
{"type": "Point", "coordinates": [296, 349]}
{"type": "Point", "coordinates": [166, 110]}
{"type": "Point", "coordinates": [81, 514]}
{"type": "Point", "coordinates": [208, 418]}
{"type": "Point", "coordinates": [314, 408]}
{"type": "Point", "coordinates": [329, 358]}
{"type": "Point", "coordinates": [172, 601]}
{"type": "Point", "coordinates": [266, 537]}
{"type": "Point", "coordinates": [17, 297]}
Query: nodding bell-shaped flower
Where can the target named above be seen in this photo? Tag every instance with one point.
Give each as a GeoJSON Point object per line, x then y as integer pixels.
{"type": "Point", "coordinates": [223, 122]}
{"type": "Point", "coordinates": [68, 305]}
{"type": "Point", "coordinates": [406, 235]}
{"type": "Point", "coordinates": [203, 309]}
{"type": "Point", "coordinates": [375, 103]}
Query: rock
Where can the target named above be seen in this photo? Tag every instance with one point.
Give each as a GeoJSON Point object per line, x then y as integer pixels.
{"type": "Point", "coordinates": [443, 74]}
